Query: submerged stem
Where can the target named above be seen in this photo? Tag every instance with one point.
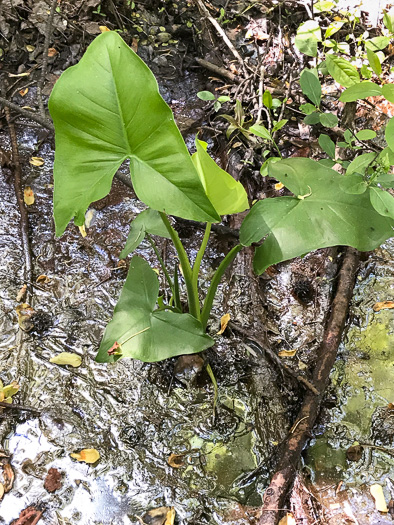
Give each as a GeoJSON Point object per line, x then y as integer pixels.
{"type": "Point", "coordinates": [215, 283]}
{"type": "Point", "coordinates": [200, 254]}
{"type": "Point", "coordinates": [163, 266]}
{"type": "Point", "coordinates": [192, 292]}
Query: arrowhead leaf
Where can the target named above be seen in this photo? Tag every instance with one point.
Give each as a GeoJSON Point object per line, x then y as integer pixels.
{"type": "Point", "coordinates": [321, 215]}
{"type": "Point", "coordinates": [107, 109]}
{"type": "Point", "coordinates": [140, 331]}
{"type": "Point", "coordinates": [225, 193]}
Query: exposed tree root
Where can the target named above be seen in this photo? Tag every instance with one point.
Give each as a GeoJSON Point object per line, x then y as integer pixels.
{"type": "Point", "coordinates": [292, 447]}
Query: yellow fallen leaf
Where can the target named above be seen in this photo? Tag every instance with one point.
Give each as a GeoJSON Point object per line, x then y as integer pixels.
{"type": "Point", "coordinates": [23, 92]}
{"type": "Point", "coordinates": [87, 455]}
{"type": "Point", "coordinates": [82, 230]}
{"type": "Point", "coordinates": [377, 494]}
{"type": "Point", "coordinates": [279, 186]}
{"type": "Point", "coordinates": [170, 519]}
{"type": "Point", "coordinates": [287, 353]}
{"type": "Point", "coordinates": [103, 29]}
{"type": "Point", "coordinates": [36, 161]}
{"type": "Point", "coordinates": [30, 49]}
{"type": "Point", "coordinates": [28, 196]}
{"type": "Point", "coordinates": [2, 491]}
{"type": "Point", "coordinates": [11, 389]}
{"type": "Point", "coordinates": [288, 519]}
{"type": "Point", "coordinates": [66, 358]}
{"type": "Point", "coordinates": [43, 279]}
{"type": "Point", "coordinates": [224, 320]}
{"type": "Point", "coordinates": [176, 460]}
{"type": "Point", "coordinates": [384, 305]}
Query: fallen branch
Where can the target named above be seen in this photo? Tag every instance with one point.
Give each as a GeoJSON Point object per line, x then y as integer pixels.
{"type": "Point", "coordinates": [46, 123]}
{"type": "Point", "coordinates": [24, 220]}
{"type": "Point", "coordinates": [220, 31]}
{"type": "Point", "coordinates": [217, 70]}
{"type": "Point", "coordinates": [292, 447]}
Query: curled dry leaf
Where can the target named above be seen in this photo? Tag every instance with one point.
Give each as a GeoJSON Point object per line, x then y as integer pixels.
{"type": "Point", "coordinates": [223, 323]}
{"type": "Point", "coordinates": [43, 279]}
{"type": "Point", "coordinates": [170, 519]}
{"type": "Point", "coordinates": [176, 460]}
{"type": "Point", "coordinates": [66, 358]}
{"type": "Point", "coordinates": [8, 477]}
{"type": "Point", "coordinates": [21, 293]}
{"type": "Point", "coordinates": [288, 519]}
{"type": "Point", "coordinates": [25, 313]}
{"type": "Point", "coordinates": [53, 480]}
{"type": "Point", "coordinates": [2, 491]}
{"type": "Point", "coordinates": [23, 92]}
{"type": "Point", "coordinates": [36, 161]}
{"type": "Point", "coordinates": [87, 455]}
{"type": "Point", "coordinates": [155, 516]}
{"type": "Point", "coordinates": [287, 353]}
{"type": "Point", "coordinates": [52, 52]}
{"type": "Point", "coordinates": [28, 196]}
{"type": "Point", "coordinates": [384, 305]}
{"type": "Point", "coordinates": [377, 494]}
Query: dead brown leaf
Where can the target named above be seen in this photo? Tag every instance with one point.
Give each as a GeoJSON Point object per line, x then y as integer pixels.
{"type": "Point", "coordinates": [28, 196]}
{"type": "Point", "coordinates": [52, 52]}
{"type": "Point", "coordinates": [377, 494]}
{"type": "Point", "coordinates": [53, 480]}
{"type": "Point", "coordinates": [36, 161]}
{"type": "Point", "coordinates": [224, 320]}
{"type": "Point", "coordinates": [287, 353]}
{"type": "Point", "coordinates": [176, 460]}
{"type": "Point", "coordinates": [43, 279]}
{"type": "Point", "coordinates": [87, 455]}
{"type": "Point", "coordinates": [384, 305]}
{"type": "Point", "coordinates": [23, 92]}
{"type": "Point", "coordinates": [25, 314]}
{"type": "Point", "coordinates": [21, 293]}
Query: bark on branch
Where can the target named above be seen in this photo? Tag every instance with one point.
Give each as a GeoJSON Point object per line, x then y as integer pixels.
{"type": "Point", "coordinates": [292, 447]}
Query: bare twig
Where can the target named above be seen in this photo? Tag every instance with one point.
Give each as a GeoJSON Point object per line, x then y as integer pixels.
{"type": "Point", "coordinates": [217, 69]}
{"type": "Point", "coordinates": [291, 448]}
{"type": "Point", "coordinates": [45, 122]}
{"type": "Point", "coordinates": [48, 34]}
{"type": "Point", "coordinates": [221, 32]}
{"type": "Point", "coordinates": [24, 220]}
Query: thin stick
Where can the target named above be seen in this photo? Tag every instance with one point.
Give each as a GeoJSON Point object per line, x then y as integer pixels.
{"type": "Point", "coordinates": [45, 122]}
{"type": "Point", "coordinates": [24, 220]}
{"type": "Point", "coordinates": [217, 69]}
{"type": "Point", "coordinates": [221, 32]}
{"type": "Point", "coordinates": [48, 34]}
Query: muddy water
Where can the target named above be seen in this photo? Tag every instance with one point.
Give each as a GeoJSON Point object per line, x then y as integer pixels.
{"type": "Point", "coordinates": [136, 415]}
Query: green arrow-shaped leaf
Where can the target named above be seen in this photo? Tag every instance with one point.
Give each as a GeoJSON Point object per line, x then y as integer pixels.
{"type": "Point", "coordinates": [106, 109]}
{"type": "Point", "coordinates": [143, 332]}
{"type": "Point", "coordinates": [148, 221]}
{"type": "Point", "coordinates": [321, 215]}
{"type": "Point", "coordinates": [225, 193]}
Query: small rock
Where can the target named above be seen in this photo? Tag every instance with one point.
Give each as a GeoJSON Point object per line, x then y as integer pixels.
{"type": "Point", "coordinates": [163, 37]}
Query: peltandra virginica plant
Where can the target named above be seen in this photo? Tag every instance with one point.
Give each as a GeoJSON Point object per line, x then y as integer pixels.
{"type": "Point", "coordinates": [108, 109]}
